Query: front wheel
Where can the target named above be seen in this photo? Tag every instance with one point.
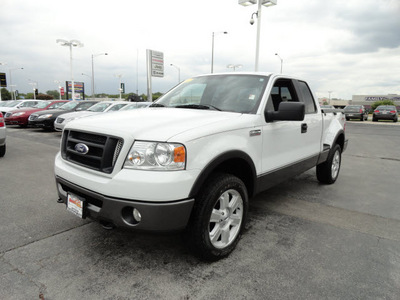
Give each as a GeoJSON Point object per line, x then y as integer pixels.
{"type": "Point", "coordinates": [218, 217]}
{"type": "Point", "coordinates": [328, 171]}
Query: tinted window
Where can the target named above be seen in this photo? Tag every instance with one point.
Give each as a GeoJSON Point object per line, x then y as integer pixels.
{"type": "Point", "coordinates": [283, 90]}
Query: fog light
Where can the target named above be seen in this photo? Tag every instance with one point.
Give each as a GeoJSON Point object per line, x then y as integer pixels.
{"type": "Point", "coordinates": [136, 215]}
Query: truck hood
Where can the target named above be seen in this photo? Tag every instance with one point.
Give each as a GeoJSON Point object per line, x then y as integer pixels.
{"type": "Point", "coordinates": [159, 124]}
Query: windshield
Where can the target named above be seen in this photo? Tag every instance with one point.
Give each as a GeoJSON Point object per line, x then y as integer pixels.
{"type": "Point", "coordinates": [56, 105]}
{"type": "Point", "coordinates": [13, 103]}
{"type": "Point", "coordinates": [386, 107]}
{"type": "Point", "coordinates": [235, 93]}
{"type": "Point", "coordinates": [42, 104]}
{"type": "Point", "coordinates": [99, 107]}
{"type": "Point", "coordinates": [352, 107]}
{"type": "Point", "coordinates": [69, 105]}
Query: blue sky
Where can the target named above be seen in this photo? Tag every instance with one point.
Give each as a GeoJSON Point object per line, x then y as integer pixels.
{"type": "Point", "coordinates": [348, 47]}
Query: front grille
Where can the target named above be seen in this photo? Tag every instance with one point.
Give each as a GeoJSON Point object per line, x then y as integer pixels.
{"type": "Point", "coordinates": [33, 117]}
{"type": "Point", "coordinates": [101, 151]}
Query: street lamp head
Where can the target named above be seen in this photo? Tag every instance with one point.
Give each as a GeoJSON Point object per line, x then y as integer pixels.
{"type": "Point", "coordinates": [247, 2]}
{"type": "Point", "coordinates": [62, 42]}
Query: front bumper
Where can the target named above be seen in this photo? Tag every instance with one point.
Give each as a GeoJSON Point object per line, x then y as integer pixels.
{"type": "Point", "coordinates": [43, 123]}
{"type": "Point", "coordinates": [155, 216]}
{"type": "Point", "coordinates": [16, 121]}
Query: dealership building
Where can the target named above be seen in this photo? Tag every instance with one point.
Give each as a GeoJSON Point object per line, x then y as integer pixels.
{"type": "Point", "coordinates": [365, 100]}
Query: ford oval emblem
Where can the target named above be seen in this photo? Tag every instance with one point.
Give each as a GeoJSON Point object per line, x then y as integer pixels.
{"type": "Point", "coordinates": [81, 148]}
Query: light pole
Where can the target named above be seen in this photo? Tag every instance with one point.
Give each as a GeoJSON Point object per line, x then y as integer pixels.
{"type": "Point", "coordinates": [70, 44]}
{"type": "Point", "coordinates": [11, 85]}
{"type": "Point", "coordinates": [212, 49]}
{"type": "Point", "coordinates": [179, 72]}
{"type": "Point", "coordinates": [93, 56]}
{"type": "Point", "coordinates": [281, 61]}
{"type": "Point", "coordinates": [1, 64]}
{"type": "Point", "coordinates": [233, 67]}
{"type": "Point", "coordinates": [265, 3]}
{"type": "Point", "coordinates": [59, 86]}
{"type": "Point", "coordinates": [33, 84]}
{"type": "Point", "coordinates": [329, 97]}
{"type": "Point", "coordinates": [120, 88]}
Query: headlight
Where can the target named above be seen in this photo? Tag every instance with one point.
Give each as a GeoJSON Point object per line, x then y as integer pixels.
{"type": "Point", "coordinates": [156, 156]}
{"type": "Point", "coordinates": [18, 114]}
{"type": "Point", "coordinates": [45, 116]}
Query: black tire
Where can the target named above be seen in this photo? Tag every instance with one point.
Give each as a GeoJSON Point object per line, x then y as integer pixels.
{"type": "Point", "coordinates": [328, 171]}
{"type": "Point", "coordinates": [2, 150]}
{"type": "Point", "coordinates": [220, 210]}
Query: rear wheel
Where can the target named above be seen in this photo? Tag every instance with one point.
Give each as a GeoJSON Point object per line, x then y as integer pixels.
{"type": "Point", "coordinates": [218, 217]}
{"type": "Point", "coordinates": [328, 171]}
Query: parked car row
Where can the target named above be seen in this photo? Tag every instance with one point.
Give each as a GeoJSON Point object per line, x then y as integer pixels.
{"type": "Point", "coordinates": [382, 112]}
{"type": "Point", "coordinates": [53, 115]}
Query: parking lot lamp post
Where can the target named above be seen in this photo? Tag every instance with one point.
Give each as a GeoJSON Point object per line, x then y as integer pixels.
{"type": "Point", "coordinates": [120, 87]}
{"type": "Point", "coordinates": [33, 84]}
{"type": "Point", "coordinates": [93, 56]}
{"type": "Point", "coordinates": [281, 61]}
{"type": "Point", "coordinates": [179, 72]}
{"type": "Point", "coordinates": [1, 64]}
{"type": "Point", "coordinates": [11, 85]}
{"type": "Point", "coordinates": [70, 44]}
{"type": "Point", "coordinates": [59, 86]}
{"type": "Point", "coordinates": [258, 14]}
{"type": "Point", "coordinates": [212, 49]}
{"type": "Point", "coordinates": [231, 66]}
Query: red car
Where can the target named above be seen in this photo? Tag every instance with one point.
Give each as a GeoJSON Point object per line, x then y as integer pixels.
{"type": "Point", "coordinates": [20, 116]}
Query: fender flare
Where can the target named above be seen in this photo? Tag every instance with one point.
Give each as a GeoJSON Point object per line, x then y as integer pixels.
{"type": "Point", "coordinates": [248, 176]}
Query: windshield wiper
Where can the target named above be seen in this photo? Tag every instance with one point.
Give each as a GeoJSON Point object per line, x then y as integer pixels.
{"type": "Point", "coordinates": [198, 106]}
{"type": "Point", "coordinates": [157, 105]}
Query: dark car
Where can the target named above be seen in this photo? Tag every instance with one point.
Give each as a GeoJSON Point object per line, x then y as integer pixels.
{"type": "Point", "coordinates": [20, 116]}
{"type": "Point", "coordinates": [45, 119]}
{"type": "Point", "coordinates": [385, 112]}
{"type": "Point", "coordinates": [356, 112]}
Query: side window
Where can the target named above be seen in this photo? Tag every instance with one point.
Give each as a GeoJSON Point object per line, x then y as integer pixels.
{"type": "Point", "coordinates": [308, 98]}
{"type": "Point", "coordinates": [282, 91]}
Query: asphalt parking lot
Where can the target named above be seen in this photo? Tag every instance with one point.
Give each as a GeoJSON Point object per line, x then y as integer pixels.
{"type": "Point", "coordinates": [303, 240]}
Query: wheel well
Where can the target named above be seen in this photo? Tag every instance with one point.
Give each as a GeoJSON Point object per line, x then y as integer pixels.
{"type": "Point", "coordinates": [240, 166]}
{"type": "Point", "coordinates": [340, 141]}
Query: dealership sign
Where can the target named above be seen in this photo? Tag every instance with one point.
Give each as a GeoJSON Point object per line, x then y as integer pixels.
{"type": "Point", "coordinates": [382, 98]}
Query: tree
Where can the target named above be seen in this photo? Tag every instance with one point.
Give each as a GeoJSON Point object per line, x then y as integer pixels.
{"type": "Point", "coordinates": [382, 102]}
{"type": "Point", "coordinates": [54, 93]}
{"type": "Point", "coordinates": [5, 94]}
{"type": "Point", "coordinates": [44, 97]}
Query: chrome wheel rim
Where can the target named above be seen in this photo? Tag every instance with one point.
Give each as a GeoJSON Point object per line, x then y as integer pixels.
{"type": "Point", "coordinates": [226, 219]}
{"type": "Point", "coordinates": [335, 164]}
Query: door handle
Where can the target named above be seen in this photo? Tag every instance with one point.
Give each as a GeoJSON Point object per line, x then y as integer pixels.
{"type": "Point", "coordinates": [304, 127]}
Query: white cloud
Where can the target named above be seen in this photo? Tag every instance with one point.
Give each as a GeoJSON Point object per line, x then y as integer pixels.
{"type": "Point", "coordinates": [348, 47]}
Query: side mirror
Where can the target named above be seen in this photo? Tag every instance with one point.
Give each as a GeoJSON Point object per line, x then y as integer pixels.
{"type": "Point", "coordinates": [287, 111]}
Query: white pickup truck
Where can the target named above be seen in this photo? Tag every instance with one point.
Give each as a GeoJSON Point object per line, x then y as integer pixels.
{"type": "Point", "coordinates": [192, 160]}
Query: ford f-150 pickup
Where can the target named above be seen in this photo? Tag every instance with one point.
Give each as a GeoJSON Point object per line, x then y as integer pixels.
{"type": "Point", "coordinates": [193, 159]}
